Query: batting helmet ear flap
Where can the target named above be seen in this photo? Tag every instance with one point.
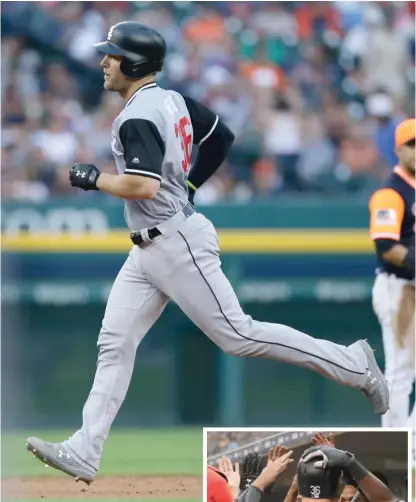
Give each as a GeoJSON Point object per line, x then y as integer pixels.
{"type": "Point", "coordinates": [139, 70]}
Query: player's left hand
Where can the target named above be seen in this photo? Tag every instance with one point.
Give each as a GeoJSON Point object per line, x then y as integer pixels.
{"type": "Point", "coordinates": [84, 176]}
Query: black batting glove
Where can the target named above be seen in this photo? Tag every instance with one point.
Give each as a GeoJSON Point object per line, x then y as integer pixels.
{"type": "Point", "coordinates": [330, 457]}
{"type": "Point", "coordinates": [326, 456]}
{"type": "Point", "coordinates": [84, 176]}
{"type": "Point", "coordinates": [250, 470]}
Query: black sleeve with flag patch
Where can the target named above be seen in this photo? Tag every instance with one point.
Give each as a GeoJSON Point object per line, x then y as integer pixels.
{"type": "Point", "coordinates": [143, 148]}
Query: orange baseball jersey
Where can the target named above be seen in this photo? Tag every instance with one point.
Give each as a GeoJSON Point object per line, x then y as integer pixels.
{"type": "Point", "coordinates": [217, 486]}
{"type": "Point", "coordinates": [392, 216]}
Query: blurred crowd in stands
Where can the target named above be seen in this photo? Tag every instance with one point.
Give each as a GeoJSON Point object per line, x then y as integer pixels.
{"type": "Point", "coordinates": [312, 90]}
{"type": "Point", "coordinates": [223, 442]}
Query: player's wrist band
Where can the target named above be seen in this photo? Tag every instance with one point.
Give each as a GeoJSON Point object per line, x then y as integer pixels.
{"type": "Point", "coordinates": [357, 471]}
{"type": "Point", "coordinates": [256, 489]}
{"type": "Point", "coordinates": [409, 259]}
{"type": "Point", "coordinates": [191, 185]}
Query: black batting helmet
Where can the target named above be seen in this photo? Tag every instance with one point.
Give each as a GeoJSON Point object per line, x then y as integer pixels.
{"type": "Point", "coordinates": [142, 48]}
{"type": "Point", "coordinates": [317, 482]}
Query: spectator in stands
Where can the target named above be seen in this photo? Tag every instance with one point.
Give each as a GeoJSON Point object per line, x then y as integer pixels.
{"type": "Point", "coordinates": [283, 140]}
{"type": "Point", "coordinates": [380, 106]}
{"type": "Point", "coordinates": [267, 181]}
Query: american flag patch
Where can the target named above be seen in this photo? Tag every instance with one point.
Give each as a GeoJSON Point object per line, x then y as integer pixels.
{"type": "Point", "coordinates": [386, 217]}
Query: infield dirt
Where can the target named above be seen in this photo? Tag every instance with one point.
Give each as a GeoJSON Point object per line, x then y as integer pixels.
{"type": "Point", "coordinates": [149, 487]}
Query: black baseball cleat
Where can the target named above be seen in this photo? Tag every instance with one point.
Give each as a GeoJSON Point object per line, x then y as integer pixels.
{"type": "Point", "coordinates": [55, 455]}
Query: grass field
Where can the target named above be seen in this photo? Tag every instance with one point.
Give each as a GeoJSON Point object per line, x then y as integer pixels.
{"type": "Point", "coordinates": [144, 452]}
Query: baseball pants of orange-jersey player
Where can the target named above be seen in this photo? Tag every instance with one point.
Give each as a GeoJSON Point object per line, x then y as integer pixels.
{"type": "Point", "coordinates": [183, 264]}
{"type": "Point", "coordinates": [394, 305]}
{"type": "Point", "coordinates": [411, 424]}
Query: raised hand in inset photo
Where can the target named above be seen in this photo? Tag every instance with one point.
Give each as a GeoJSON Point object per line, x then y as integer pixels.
{"type": "Point", "coordinates": [321, 439]}
{"type": "Point", "coordinates": [250, 470]}
{"type": "Point", "coordinates": [232, 472]}
{"type": "Point", "coordinates": [272, 470]}
{"type": "Point", "coordinates": [276, 452]}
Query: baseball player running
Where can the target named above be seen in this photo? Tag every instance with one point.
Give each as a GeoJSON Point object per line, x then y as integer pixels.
{"type": "Point", "coordinates": [392, 227]}
{"type": "Point", "coordinates": [175, 253]}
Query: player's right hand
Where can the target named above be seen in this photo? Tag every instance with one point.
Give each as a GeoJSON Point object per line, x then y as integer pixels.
{"type": "Point", "coordinates": [84, 176]}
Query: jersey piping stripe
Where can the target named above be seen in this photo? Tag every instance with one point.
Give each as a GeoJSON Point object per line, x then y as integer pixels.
{"type": "Point", "coordinates": [385, 235]}
{"type": "Point", "coordinates": [251, 339]}
{"type": "Point", "coordinates": [140, 172]}
{"type": "Point", "coordinates": [147, 86]}
{"type": "Point", "coordinates": [404, 176]}
{"type": "Point", "coordinates": [210, 132]}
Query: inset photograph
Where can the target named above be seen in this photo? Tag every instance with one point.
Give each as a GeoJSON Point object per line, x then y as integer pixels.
{"type": "Point", "coordinates": [304, 465]}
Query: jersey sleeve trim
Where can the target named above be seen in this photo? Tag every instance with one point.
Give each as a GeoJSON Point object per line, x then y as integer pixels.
{"type": "Point", "coordinates": [385, 235]}
{"type": "Point", "coordinates": [210, 131]}
{"type": "Point", "coordinates": [140, 172]}
{"type": "Point", "coordinates": [143, 147]}
{"type": "Point", "coordinates": [386, 214]}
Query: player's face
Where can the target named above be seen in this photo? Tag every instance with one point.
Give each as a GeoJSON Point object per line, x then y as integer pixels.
{"type": "Point", "coordinates": [406, 154]}
{"type": "Point", "coordinates": [114, 80]}
{"type": "Point", "coordinates": [348, 494]}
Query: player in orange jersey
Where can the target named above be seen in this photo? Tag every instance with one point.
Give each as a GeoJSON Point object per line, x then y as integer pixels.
{"type": "Point", "coordinates": [392, 228]}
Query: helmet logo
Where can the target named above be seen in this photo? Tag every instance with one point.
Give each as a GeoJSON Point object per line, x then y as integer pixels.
{"type": "Point", "coordinates": [315, 491]}
{"type": "Point", "coordinates": [110, 33]}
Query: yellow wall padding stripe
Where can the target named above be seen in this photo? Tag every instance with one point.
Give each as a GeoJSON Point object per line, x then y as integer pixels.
{"type": "Point", "coordinates": [231, 241]}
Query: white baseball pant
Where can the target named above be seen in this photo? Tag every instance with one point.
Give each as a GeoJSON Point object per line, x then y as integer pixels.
{"type": "Point", "coordinates": [394, 305]}
{"type": "Point", "coordinates": [184, 265]}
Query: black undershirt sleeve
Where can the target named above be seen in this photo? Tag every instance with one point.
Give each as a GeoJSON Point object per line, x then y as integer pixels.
{"type": "Point", "coordinates": [143, 148]}
{"type": "Point", "coordinates": [214, 139]}
{"type": "Point", "coordinates": [384, 245]}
